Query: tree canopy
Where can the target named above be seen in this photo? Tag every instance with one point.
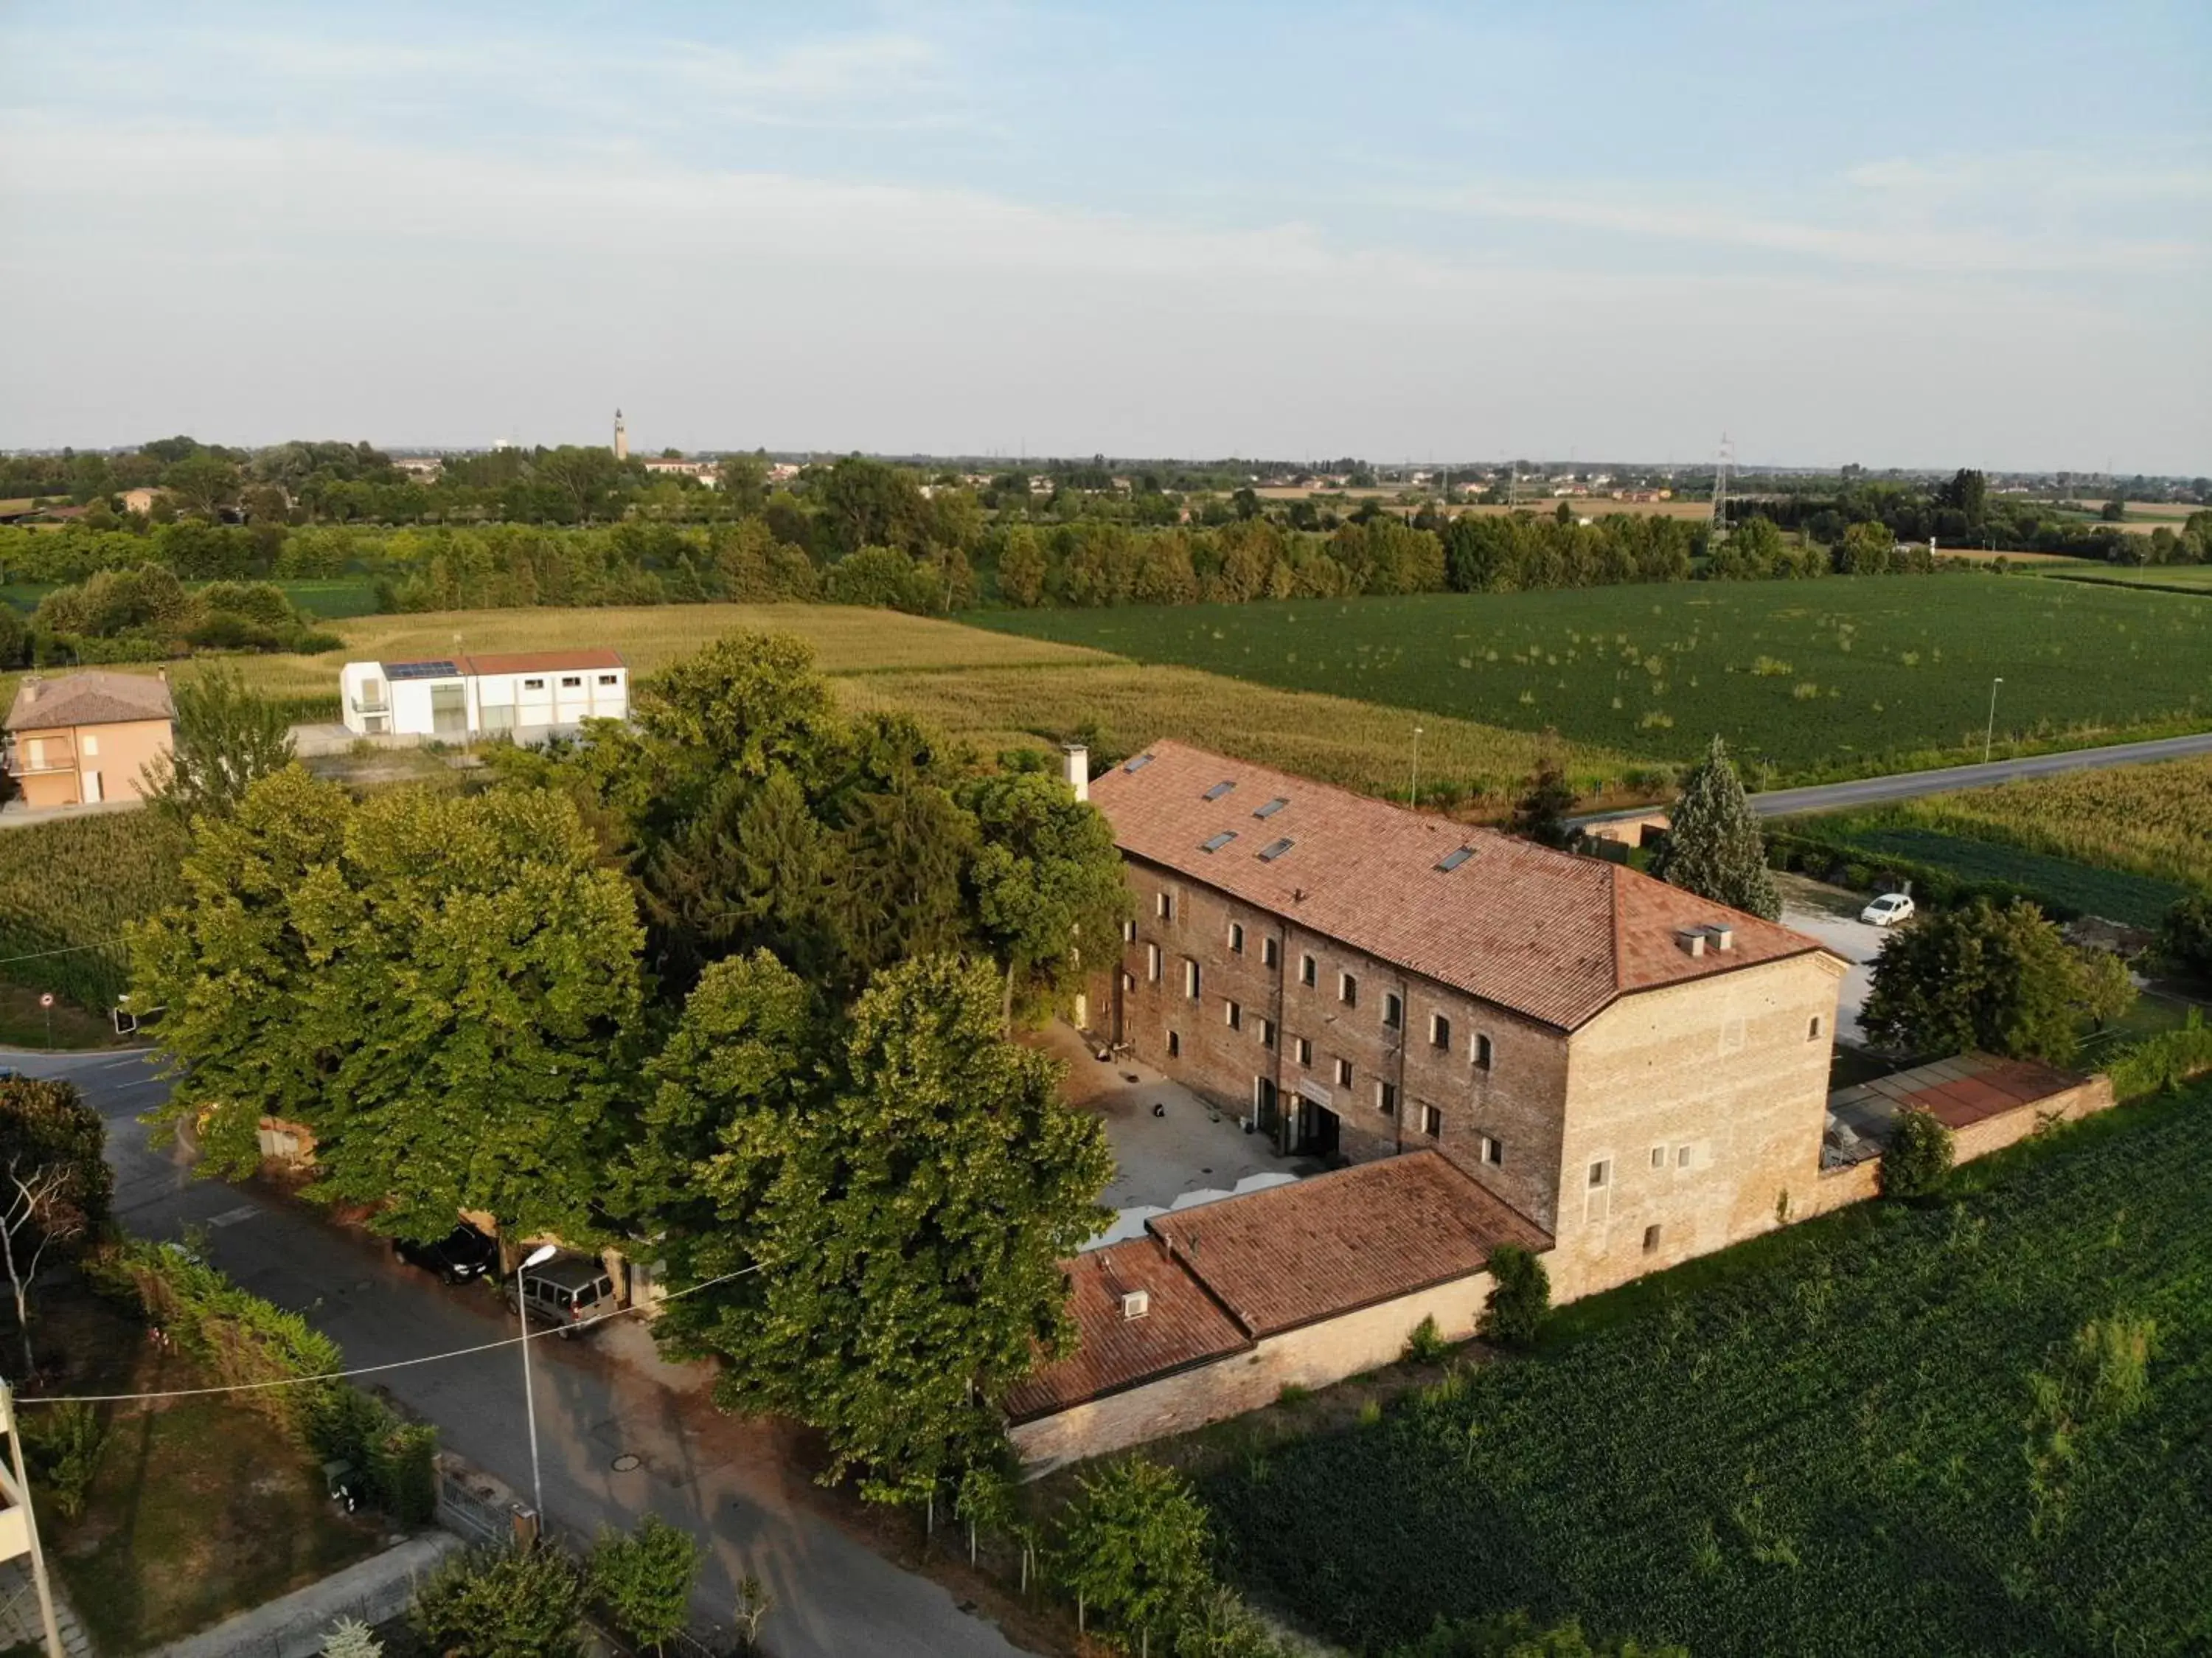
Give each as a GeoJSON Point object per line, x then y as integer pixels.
{"type": "Point", "coordinates": [2001, 979]}
{"type": "Point", "coordinates": [1713, 846]}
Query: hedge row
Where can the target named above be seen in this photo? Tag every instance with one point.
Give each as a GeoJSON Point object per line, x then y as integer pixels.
{"type": "Point", "coordinates": [247, 1342]}
{"type": "Point", "coordinates": [2158, 1064]}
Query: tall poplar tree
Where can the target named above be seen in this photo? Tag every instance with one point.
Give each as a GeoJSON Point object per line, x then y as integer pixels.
{"type": "Point", "coordinates": [1713, 847]}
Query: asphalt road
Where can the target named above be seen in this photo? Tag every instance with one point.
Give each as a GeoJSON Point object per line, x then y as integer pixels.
{"type": "Point", "coordinates": [599, 1398]}
{"type": "Point", "coordinates": [1909, 785]}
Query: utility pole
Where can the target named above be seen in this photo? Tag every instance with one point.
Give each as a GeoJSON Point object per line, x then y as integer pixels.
{"type": "Point", "coordinates": [1413, 794]}
{"type": "Point", "coordinates": [17, 1489]}
{"type": "Point", "coordinates": [1989, 735]}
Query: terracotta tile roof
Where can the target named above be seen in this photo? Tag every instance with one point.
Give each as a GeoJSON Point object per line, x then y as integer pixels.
{"type": "Point", "coordinates": [1182, 1326]}
{"type": "Point", "coordinates": [94, 697]}
{"type": "Point", "coordinates": [1293, 1254]}
{"type": "Point", "coordinates": [1550, 934]}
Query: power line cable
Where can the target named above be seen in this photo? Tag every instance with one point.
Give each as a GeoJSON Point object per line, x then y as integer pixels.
{"type": "Point", "coordinates": [372, 1369]}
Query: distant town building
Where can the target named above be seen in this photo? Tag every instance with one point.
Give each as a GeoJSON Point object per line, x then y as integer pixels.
{"type": "Point", "coordinates": [666, 466]}
{"type": "Point", "coordinates": [422, 468]}
{"type": "Point", "coordinates": [86, 737]}
{"type": "Point", "coordinates": [526, 695]}
{"type": "Point", "coordinates": [622, 437]}
{"type": "Point", "coordinates": [139, 501]}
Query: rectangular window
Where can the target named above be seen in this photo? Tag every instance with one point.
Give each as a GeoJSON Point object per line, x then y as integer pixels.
{"type": "Point", "coordinates": [1658, 1156]}
{"type": "Point", "coordinates": [1493, 1151]}
{"type": "Point", "coordinates": [1347, 989]}
{"type": "Point", "coordinates": [1394, 1010]}
{"type": "Point", "coordinates": [1650, 1239]}
{"type": "Point", "coordinates": [1152, 963]}
{"type": "Point", "coordinates": [1812, 1030]}
{"type": "Point", "coordinates": [1439, 1031]}
{"type": "Point", "coordinates": [1237, 937]}
{"type": "Point", "coordinates": [1163, 905]}
{"type": "Point", "coordinates": [1233, 1015]}
{"type": "Point", "coordinates": [607, 679]}
{"type": "Point", "coordinates": [533, 684]}
{"type": "Point", "coordinates": [1682, 1158]}
{"type": "Point", "coordinates": [1344, 1073]}
{"type": "Point", "coordinates": [1270, 952]}
{"type": "Point", "coordinates": [1386, 1098]}
{"type": "Point", "coordinates": [1480, 1053]}
{"type": "Point", "coordinates": [571, 681]}
{"type": "Point", "coordinates": [1601, 1173]}
{"type": "Point", "coordinates": [1215, 843]}
{"type": "Point", "coordinates": [1306, 971]}
{"type": "Point", "coordinates": [1432, 1122]}
{"type": "Point", "coordinates": [1175, 1045]}
{"type": "Point", "coordinates": [91, 745]}
{"type": "Point", "coordinates": [1302, 1050]}
{"type": "Point", "coordinates": [1129, 932]}
{"type": "Point", "coordinates": [1267, 1032]}
{"type": "Point", "coordinates": [1190, 978]}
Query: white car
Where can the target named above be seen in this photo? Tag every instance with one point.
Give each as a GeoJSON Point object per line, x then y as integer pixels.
{"type": "Point", "coordinates": [1887, 910]}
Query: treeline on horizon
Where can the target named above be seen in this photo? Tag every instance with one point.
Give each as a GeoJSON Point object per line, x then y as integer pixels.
{"type": "Point", "coordinates": [578, 527]}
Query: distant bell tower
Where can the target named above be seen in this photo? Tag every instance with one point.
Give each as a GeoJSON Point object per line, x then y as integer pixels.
{"type": "Point", "coordinates": [621, 438]}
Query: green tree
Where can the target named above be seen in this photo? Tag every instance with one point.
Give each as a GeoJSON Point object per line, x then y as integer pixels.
{"type": "Point", "coordinates": [226, 740]}
{"type": "Point", "coordinates": [2185, 937]}
{"type": "Point", "coordinates": [2113, 511]}
{"type": "Point", "coordinates": [351, 1638]}
{"type": "Point", "coordinates": [1022, 569]}
{"type": "Point", "coordinates": [1713, 846]}
{"type": "Point", "coordinates": [2000, 980]}
{"type": "Point", "coordinates": [644, 1580]}
{"type": "Point", "coordinates": [1135, 1546]}
{"type": "Point", "coordinates": [1866, 549]}
{"type": "Point", "coordinates": [503, 1604]}
{"type": "Point", "coordinates": [55, 1188]}
{"type": "Point", "coordinates": [1540, 813]}
{"type": "Point", "coordinates": [1046, 876]}
{"type": "Point", "coordinates": [203, 482]}
{"type": "Point", "coordinates": [1519, 1301]}
{"type": "Point", "coordinates": [899, 1213]}
{"type": "Point", "coordinates": [1917, 1159]}
{"type": "Point", "coordinates": [384, 973]}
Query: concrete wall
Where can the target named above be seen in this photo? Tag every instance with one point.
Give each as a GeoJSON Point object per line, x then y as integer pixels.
{"type": "Point", "coordinates": [1312, 1356]}
{"type": "Point", "coordinates": [1706, 1102]}
{"type": "Point", "coordinates": [1515, 1103]}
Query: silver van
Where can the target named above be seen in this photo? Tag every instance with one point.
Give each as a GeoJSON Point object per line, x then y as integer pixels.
{"type": "Point", "coordinates": [570, 1292]}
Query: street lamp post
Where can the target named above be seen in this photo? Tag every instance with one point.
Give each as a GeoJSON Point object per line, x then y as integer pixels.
{"type": "Point", "coordinates": [537, 1257]}
{"type": "Point", "coordinates": [1989, 735]}
{"type": "Point", "coordinates": [1413, 794]}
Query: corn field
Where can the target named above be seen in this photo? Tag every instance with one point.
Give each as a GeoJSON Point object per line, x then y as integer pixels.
{"type": "Point", "coordinates": [1825, 1453]}
{"type": "Point", "coordinates": [69, 888]}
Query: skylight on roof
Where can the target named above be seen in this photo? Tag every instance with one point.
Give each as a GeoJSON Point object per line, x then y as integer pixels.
{"type": "Point", "coordinates": [1451, 861]}
{"type": "Point", "coordinates": [1271, 808]}
{"type": "Point", "coordinates": [1274, 849]}
{"type": "Point", "coordinates": [1215, 843]}
{"type": "Point", "coordinates": [1218, 790]}
{"type": "Point", "coordinates": [1138, 764]}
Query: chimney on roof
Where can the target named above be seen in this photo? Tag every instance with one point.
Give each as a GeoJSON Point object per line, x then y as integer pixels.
{"type": "Point", "coordinates": [1691, 939]}
{"type": "Point", "coordinates": [1722, 935]}
{"type": "Point", "coordinates": [1076, 758]}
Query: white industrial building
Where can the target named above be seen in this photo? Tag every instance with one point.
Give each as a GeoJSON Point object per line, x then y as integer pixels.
{"type": "Point", "coordinates": [526, 695]}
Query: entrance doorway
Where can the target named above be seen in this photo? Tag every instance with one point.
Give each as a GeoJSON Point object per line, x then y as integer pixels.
{"type": "Point", "coordinates": [1316, 1135]}
{"type": "Point", "coordinates": [1266, 1106]}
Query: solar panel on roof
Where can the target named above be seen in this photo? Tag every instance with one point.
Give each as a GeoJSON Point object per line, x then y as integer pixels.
{"type": "Point", "coordinates": [1271, 808]}
{"type": "Point", "coordinates": [421, 671]}
{"type": "Point", "coordinates": [1215, 843]}
{"type": "Point", "coordinates": [1273, 850]}
{"type": "Point", "coordinates": [1451, 861]}
{"type": "Point", "coordinates": [1139, 764]}
{"type": "Point", "coordinates": [1218, 790]}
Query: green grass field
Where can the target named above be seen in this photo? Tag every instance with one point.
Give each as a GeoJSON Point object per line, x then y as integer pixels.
{"type": "Point", "coordinates": [1816, 678]}
{"type": "Point", "coordinates": [1814, 1446]}
{"type": "Point", "coordinates": [2174, 578]}
{"type": "Point", "coordinates": [2063, 884]}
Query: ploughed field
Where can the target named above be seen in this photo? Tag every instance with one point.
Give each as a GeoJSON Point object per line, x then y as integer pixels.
{"type": "Point", "coordinates": [1827, 1453]}
{"type": "Point", "coordinates": [1822, 678]}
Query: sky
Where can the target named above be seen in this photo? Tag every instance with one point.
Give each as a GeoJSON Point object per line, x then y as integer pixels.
{"type": "Point", "coordinates": [1834, 231]}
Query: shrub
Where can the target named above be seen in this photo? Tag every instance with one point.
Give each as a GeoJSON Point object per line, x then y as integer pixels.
{"type": "Point", "coordinates": [1520, 1298]}
{"type": "Point", "coordinates": [1918, 1156]}
{"type": "Point", "coordinates": [2159, 1063]}
{"type": "Point", "coordinates": [2184, 938]}
{"type": "Point", "coordinates": [491, 1603]}
{"type": "Point", "coordinates": [351, 1638]}
{"type": "Point", "coordinates": [1516, 1636]}
{"type": "Point", "coordinates": [1133, 1546]}
{"type": "Point", "coordinates": [1426, 1345]}
{"type": "Point", "coordinates": [644, 1580]}
{"type": "Point", "coordinates": [65, 1445]}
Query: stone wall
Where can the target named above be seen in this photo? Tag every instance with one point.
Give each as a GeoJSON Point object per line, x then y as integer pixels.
{"type": "Point", "coordinates": [1313, 1356]}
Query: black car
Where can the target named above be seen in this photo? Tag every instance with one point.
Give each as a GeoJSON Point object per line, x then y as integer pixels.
{"type": "Point", "coordinates": [462, 1255]}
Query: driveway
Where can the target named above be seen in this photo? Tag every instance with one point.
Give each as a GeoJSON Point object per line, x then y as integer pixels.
{"type": "Point", "coordinates": [731, 1483]}
{"type": "Point", "coordinates": [1831, 915]}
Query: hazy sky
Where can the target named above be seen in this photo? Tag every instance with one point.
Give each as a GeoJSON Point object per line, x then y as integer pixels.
{"type": "Point", "coordinates": [1840, 229]}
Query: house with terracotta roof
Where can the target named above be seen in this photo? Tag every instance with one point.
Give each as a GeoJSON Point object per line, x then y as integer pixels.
{"type": "Point", "coordinates": [87, 737]}
{"type": "Point", "coordinates": [1639, 1074]}
{"type": "Point", "coordinates": [1216, 1309]}
{"type": "Point", "coordinates": [528, 695]}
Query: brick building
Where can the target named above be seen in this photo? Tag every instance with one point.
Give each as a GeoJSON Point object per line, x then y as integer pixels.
{"type": "Point", "coordinates": [1640, 1073]}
